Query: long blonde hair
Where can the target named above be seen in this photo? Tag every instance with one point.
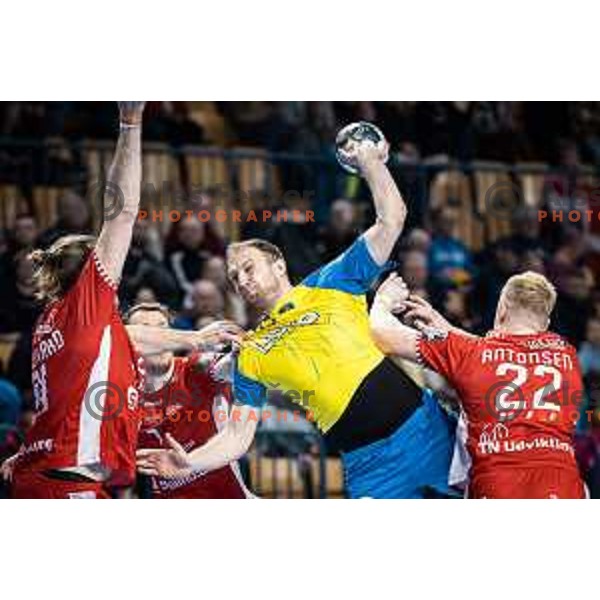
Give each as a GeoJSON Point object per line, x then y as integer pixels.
{"type": "Point", "coordinates": [56, 268]}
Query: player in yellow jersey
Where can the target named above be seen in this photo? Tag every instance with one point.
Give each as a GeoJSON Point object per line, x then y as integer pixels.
{"type": "Point", "coordinates": [314, 344]}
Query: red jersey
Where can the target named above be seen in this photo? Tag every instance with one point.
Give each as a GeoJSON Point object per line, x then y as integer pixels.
{"type": "Point", "coordinates": [520, 397]}
{"type": "Point", "coordinates": [192, 407]}
{"type": "Point", "coordinates": [86, 379]}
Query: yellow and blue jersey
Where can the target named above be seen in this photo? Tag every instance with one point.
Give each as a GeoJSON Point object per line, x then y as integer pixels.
{"type": "Point", "coordinates": [315, 343]}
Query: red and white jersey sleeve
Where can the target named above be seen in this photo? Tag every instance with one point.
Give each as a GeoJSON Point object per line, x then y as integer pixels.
{"type": "Point", "coordinates": [86, 380]}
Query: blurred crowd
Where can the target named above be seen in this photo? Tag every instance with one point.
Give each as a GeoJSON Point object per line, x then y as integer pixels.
{"type": "Point", "coordinates": [506, 131]}
{"type": "Point", "coordinates": [183, 267]}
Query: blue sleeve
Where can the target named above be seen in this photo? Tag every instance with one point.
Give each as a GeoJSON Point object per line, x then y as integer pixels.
{"type": "Point", "coordinates": [354, 271]}
{"type": "Point", "coordinates": [247, 391]}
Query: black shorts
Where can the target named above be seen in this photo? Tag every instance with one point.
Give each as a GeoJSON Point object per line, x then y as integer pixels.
{"type": "Point", "coordinates": [386, 398]}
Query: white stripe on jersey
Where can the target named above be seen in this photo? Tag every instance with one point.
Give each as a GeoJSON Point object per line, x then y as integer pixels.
{"type": "Point", "coordinates": [88, 443]}
{"type": "Point", "coordinates": [461, 461]}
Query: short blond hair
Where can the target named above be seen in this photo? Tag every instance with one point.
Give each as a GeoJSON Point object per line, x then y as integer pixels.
{"type": "Point", "coordinates": [266, 248]}
{"type": "Point", "coordinates": [530, 291]}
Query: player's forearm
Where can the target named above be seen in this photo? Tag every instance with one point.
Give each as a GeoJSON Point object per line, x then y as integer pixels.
{"type": "Point", "coordinates": [122, 195]}
{"type": "Point", "coordinates": [390, 335]}
{"type": "Point", "coordinates": [125, 172]}
{"type": "Point", "coordinates": [155, 340]}
{"type": "Point", "coordinates": [229, 445]}
{"type": "Point", "coordinates": [389, 204]}
{"type": "Point", "coordinates": [390, 211]}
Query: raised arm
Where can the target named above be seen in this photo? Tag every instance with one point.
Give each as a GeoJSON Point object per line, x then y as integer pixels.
{"type": "Point", "coordinates": [390, 208]}
{"type": "Point", "coordinates": [124, 183]}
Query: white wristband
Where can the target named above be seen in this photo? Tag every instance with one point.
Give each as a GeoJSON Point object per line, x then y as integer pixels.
{"type": "Point", "coordinates": [125, 126]}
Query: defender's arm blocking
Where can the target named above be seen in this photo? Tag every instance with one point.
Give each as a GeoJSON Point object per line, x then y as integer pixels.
{"type": "Point", "coordinates": [124, 177]}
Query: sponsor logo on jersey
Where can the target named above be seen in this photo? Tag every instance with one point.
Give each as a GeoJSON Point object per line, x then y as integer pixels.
{"type": "Point", "coordinates": [266, 342]}
{"type": "Point", "coordinates": [542, 344]}
{"type": "Point", "coordinates": [496, 440]}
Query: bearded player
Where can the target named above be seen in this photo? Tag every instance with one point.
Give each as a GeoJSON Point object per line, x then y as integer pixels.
{"type": "Point", "coordinates": [314, 345]}
{"type": "Point", "coordinates": [184, 399]}
{"type": "Point", "coordinates": [520, 387]}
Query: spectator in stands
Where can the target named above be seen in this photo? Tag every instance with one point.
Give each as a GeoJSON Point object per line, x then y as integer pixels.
{"type": "Point", "coordinates": [234, 307]}
{"type": "Point", "coordinates": [203, 300]}
{"type": "Point", "coordinates": [589, 351]}
{"type": "Point", "coordinates": [22, 239]}
{"type": "Point", "coordinates": [24, 233]}
{"type": "Point", "coordinates": [418, 239]}
{"type": "Point", "coordinates": [526, 232]}
{"type": "Point", "coordinates": [565, 191]}
{"type": "Point", "coordinates": [415, 272]}
{"type": "Point", "coordinates": [10, 404]}
{"type": "Point", "coordinates": [495, 264]}
{"type": "Point", "coordinates": [10, 416]}
{"type": "Point", "coordinates": [187, 260]}
{"type": "Point", "coordinates": [450, 261]}
{"type": "Point", "coordinates": [210, 199]}
{"type": "Point", "coordinates": [143, 269]}
{"type": "Point", "coordinates": [73, 217]}
{"type": "Point", "coordinates": [574, 283]}
{"type": "Point", "coordinates": [457, 310]}
{"type": "Point", "coordinates": [398, 122]}
{"type": "Point", "coordinates": [171, 123]}
{"type": "Point", "coordinates": [297, 238]}
{"type": "Point", "coordinates": [341, 230]}
{"type": "Point", "coordinates": [18, 306]}
{"type": "Point", "coordinates": [255, 123]}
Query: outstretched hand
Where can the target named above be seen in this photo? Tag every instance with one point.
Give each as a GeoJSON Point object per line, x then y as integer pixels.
{"type": "Point", "coordinates": [168, 463]}
{"type": "Point", "coordinates": [421, 314]}
{"type": "Point", "coordinates": [220, 333]}
{"type": "Point", "coordinates": [131, 112]}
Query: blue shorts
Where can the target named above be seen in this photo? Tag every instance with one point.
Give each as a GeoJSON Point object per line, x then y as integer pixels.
{"type": "Point", "coordinates": [414, 462]}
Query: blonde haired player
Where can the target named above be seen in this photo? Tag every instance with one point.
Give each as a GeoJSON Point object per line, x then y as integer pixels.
{"type": "Point", "coordinates": [519, 387]}
{"type": "Point", "coordinates": [86, 372]}
{"type": "Point", "coordinates": [314, 345]}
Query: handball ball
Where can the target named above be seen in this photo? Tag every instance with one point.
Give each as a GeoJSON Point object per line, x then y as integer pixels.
{"type": "Point", "coordinates": [361, 132]}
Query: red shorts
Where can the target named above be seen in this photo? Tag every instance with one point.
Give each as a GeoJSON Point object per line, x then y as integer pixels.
{"type": "Point", "coordinates": [529, 483]}
{"type": "Point", "coordinates": [38, 486]}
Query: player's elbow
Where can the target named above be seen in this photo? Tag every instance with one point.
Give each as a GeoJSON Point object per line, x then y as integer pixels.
{"type": "Point", "coordinates": [394, 220]}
